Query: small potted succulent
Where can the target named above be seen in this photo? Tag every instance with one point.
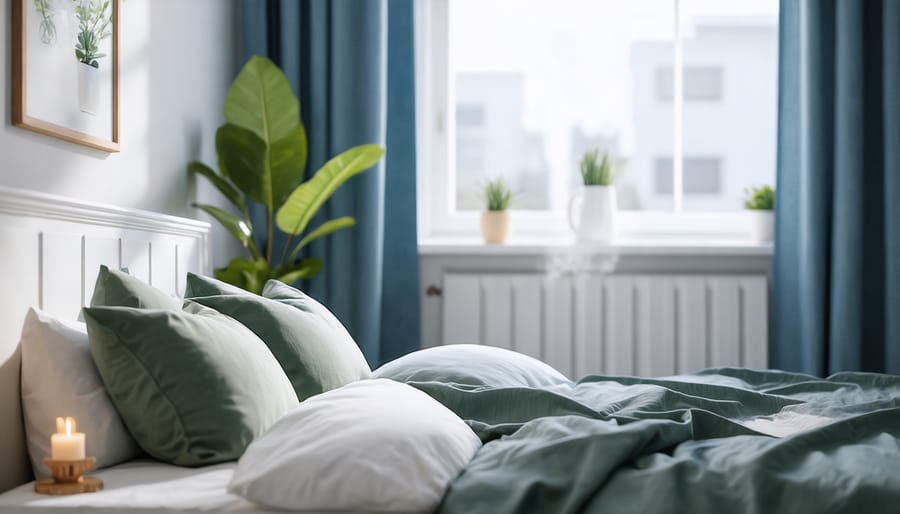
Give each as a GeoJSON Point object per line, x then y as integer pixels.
{"type": "Point", "coordinates": [597, 220]}
{"type": "Point", "coordinates": [760, 201]}
{"type": "Point", "coordinates": [495, 218]}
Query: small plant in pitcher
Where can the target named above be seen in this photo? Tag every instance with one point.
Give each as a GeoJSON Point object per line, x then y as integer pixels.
{"type": "Point", "coordinates": [93, 27]}
{"type": "Point", "coordinates": [495, 218]}
{"type": "Point", "coordinates": [759, 198]}
{"type": "Point", "coordinates": [596, 171]}
{"type": "Point", "coordinates": [497, 196]}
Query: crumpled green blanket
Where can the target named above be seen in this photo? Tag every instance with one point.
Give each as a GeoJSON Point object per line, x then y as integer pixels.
{"type": "Point", "coordinates": [723, 441]}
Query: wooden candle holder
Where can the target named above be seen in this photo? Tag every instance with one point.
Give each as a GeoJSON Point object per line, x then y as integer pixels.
{"type": "Point", "coordinates": [68, 477]}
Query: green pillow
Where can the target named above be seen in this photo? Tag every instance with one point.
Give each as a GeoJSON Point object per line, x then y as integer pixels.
{"type": "Point", "coordinates": [194, 387]}
{"type": "Point", "coordinates": [116, 288]}
{"type": "Point", "coordinates": [312, 346]}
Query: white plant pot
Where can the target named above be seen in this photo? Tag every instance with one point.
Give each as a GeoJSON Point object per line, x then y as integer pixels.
{"type": "Point", "coordinates": [597, 216]}
{"type": "Point", "coordinates": [88, 88]}
{"type": "Point", "coordinates": [763, 225]}
{"type": "Point", "coordinates": [495, 226]}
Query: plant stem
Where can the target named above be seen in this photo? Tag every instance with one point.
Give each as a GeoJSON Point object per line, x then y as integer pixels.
{"type": "Point", "coordinates": [286, 245]}
{"type": "Point", "coordinates": [269, 238]}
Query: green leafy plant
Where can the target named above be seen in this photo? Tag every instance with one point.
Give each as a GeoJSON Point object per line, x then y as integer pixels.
{"type": "Point", "coordinates": [596, 171]}
{"type": "Point", "coordinates": [262, 154]}
{"type": "Point", "coordinates": [47, 26]}
{"type": "Point", "coordinates": [94, 20]}
{"type": "Point", "coordinates": [759, 198]}
{"type": "Point", "coordinates": [497, 196]}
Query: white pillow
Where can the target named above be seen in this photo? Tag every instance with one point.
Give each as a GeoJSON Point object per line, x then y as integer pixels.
{"type": "Point", "coordinates": [59, 379]}
{"type": "Point", "coordinates": [372, 445]}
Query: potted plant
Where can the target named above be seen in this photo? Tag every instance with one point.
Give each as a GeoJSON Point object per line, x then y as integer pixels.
{"type": "Point", "coordinates": [597, 220]}
{"type": "Point", "coordinates": [93, 27]}
{"type": "Point", "coordinates": [495, 219]}
{"type": "Point", "coordinates": [760, 201]}
{"type": "Point", "coordinates": [262, 153]}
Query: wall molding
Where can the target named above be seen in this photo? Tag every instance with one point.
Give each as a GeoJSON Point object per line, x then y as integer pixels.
{"type": "Point", "coordinates": [20, 202]}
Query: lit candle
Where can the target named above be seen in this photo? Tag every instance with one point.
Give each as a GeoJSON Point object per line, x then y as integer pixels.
{"type": "Point", "coordinates": [66, 443]}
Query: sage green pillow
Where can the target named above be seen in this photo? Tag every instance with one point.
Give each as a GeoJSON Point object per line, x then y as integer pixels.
{"type": "Point", "coordinates": [116, 288]}
{"type": "Point", "coordinates": [312, 346]}
{"type": "Point", "coordinates": [194, 387]}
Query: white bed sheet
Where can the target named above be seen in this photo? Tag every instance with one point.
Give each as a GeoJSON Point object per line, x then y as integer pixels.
{"type": "Point", "coordinates": [144, 484]}
{"type": "Point", "coordinates": [149, 485]}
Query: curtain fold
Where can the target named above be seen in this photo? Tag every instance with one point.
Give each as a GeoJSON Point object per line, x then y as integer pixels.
{"type": "Point", "coordinates": [837, 255]}
{"type": "Point", "coordinates": [351, 65]}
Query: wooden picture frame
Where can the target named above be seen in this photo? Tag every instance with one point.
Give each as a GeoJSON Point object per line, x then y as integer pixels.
{"type": "Point", "coordinates": [88, 116]}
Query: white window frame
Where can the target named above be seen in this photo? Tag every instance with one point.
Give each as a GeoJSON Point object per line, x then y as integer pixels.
{"type": "Point", "coordinates": [435, 131]}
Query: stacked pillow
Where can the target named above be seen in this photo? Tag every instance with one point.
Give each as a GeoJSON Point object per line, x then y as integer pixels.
{"type": "Point", "coordinates": [192, 385]}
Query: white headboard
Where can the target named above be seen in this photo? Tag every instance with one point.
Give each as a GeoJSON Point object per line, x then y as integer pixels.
{"type": "Point", "coordinates": [50, 250]}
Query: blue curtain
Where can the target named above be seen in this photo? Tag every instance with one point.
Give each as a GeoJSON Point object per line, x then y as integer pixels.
{"type": "Point", "coordinates": [351, 64]}
{"type": "Point", "coordinates": [837, 256]}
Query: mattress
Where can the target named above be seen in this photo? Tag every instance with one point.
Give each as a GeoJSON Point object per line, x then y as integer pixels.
{"type": "Point", "coordinates": [144, 484]}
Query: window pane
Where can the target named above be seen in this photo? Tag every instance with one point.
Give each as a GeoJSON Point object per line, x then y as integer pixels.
{"type": "Point", "coordinates": [736, 124]}
{"type": "Point", "coordinates": [536, 83]}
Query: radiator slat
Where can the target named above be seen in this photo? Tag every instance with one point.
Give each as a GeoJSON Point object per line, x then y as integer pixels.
{"type": "Point", "coordinates": [557, 348]}
{"type": "Point", "coordinates": [755, 322]}
{"type": "Point", "coordinates": [725, 320]}
{"type": "Point", "coordinates": [497, 311]}
{"type": "Point", "coordinates": [528, 327]}
{"type": "Point", "coordinates": [462, 309]}
{"type": "Point", "coordinates": [620, 317]}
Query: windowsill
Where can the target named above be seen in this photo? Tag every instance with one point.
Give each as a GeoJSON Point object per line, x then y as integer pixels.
{"type": "Point", "coordinates": [623, 247]}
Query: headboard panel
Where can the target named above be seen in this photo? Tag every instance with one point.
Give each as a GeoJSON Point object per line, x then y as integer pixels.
{"type": "Point", "coordinates": [50, 250]}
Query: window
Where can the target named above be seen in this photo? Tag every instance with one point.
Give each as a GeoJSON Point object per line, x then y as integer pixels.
{"type": "Point", "coordinates": [682, 94]}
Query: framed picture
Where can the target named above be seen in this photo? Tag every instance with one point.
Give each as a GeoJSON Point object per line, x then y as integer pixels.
{"type": "Point", "coordinates": [66, 70]}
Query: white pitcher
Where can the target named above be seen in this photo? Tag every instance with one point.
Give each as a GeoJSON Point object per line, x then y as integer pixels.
{"type": "Point", "coordinates": [597, 222]}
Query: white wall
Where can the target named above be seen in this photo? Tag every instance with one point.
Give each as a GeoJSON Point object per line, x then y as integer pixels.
{"type": "Point", "coordinates": [177, 61]}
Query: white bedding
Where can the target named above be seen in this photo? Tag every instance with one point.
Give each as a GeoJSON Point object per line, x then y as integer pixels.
{"type": "Point", "coordinates": [144, 484]}
{"type": "Point", "coordinates": [149, 485]}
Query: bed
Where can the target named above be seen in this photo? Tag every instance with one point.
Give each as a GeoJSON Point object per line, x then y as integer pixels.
{"type": "Point", "coordinates": [719, 440]}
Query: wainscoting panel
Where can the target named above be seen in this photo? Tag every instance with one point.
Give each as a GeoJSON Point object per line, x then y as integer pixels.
{"type": "Point", "coordinates": [641, 324]}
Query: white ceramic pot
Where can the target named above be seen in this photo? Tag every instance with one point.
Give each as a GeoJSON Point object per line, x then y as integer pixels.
{"type": "Point", "coordinates": [763, 225]}
{"type": "Point", "coordinates": [88, 88]}
{"type": "Point", "coordinates": [597, 218]}
{"type": "Point", "coordinates": [495, 226]}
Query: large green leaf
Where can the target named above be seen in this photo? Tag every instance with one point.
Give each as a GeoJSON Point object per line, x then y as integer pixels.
{"type": "Point", "coordinates": [246, 274]}
{"type": "Point", "coordinates": [305, 268]}
{"type": "Point", "coordinates": [288, 159]}
{"type": "Point", "coordinates": [237, 227]}
{"type": "Point", "coordinates": [265, 174]}
{"type": "Point", "coordinates": [222, 184]}
{"type": "Point", "coordinates": [305, 201]}
{"type": "Point", "coordinates": [322, 230]}
{"type": "Point", "coordinates": [261, 100]}
{"type": "Point", "coordinates": [241, 154]}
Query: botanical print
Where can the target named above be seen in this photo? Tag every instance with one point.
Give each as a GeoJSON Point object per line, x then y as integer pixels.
{"type": "Point", "coordinates": [69, 65]}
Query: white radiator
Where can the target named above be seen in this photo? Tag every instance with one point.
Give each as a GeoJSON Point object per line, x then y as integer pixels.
{"type": "Point", "coordinates": [648, 325]}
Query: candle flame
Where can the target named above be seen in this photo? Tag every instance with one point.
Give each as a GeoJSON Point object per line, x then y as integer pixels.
{"type": "Point", "coordinates": [68, 426]}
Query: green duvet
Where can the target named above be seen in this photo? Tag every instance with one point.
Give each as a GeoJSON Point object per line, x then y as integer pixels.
{"type": "Point", "coordinates": [720, 441]}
